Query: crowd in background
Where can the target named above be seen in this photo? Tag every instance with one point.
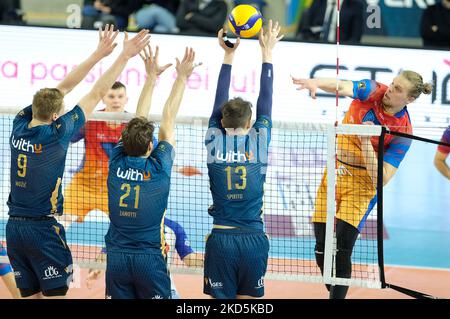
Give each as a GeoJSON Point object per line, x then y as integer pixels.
{"type": "Point", "coordinates": [317, 23]}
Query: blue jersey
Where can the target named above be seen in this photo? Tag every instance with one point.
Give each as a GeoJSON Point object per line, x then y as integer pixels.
{"type": "Point", "coordinates": [38, 156]}
{"type": "Point", "coordinates": [237, 164]}
{"type": "Point", "coordinates": [237, 172]}
{"type": "Point", "coordinates": [138, 191]}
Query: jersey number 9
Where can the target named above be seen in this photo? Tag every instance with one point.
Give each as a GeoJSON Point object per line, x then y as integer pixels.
{"type": "Point", "coordinates": [22, 165]}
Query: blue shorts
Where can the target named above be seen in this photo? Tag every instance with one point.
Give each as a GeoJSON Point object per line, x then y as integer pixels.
{"type": "Point", "coordinates": [39, 254]}
{"type": "Point", "coordinates": [235, 263]}
{"type": "Point", "coordinates": [136, 276]}
{"type": "Point", "coordinates": [4, 268]}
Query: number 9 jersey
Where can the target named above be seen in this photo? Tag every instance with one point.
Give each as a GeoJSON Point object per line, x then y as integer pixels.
{"type": "Point", "coordinates": [38, 156]}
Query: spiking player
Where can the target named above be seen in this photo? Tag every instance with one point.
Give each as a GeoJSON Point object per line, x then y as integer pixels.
{"type": "Point", "coordinates": [442, 154]}
{"type": "Point", "coordinates": [374, 103]}
{"type": "Point", "coordinates": [138, 191]}
{"type": "Point", "coordinates": [237, 249]}
{"type": "Point", "coordinates": [40, 137]}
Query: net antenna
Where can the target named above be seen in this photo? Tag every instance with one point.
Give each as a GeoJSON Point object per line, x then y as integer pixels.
{"type": "Point", "coordinates": [330, 238]}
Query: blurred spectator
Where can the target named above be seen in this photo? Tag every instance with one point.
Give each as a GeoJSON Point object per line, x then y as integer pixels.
{"type": "Point", "coordinates": [319, 21]}
{"type": "Point", "coordinates": [435, 25]}
{"type": "Point", "coordinates": [99, 12]}
{"type": "Point", "coordinates": [159, 16]}
{"type": "Point", "coordinates": [259, 4]}
{"type": "Point", "coordinates": [10, 12]}
{"type": "Point", "coordinates": [201, 17]}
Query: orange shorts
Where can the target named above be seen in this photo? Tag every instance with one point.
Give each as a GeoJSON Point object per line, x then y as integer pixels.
{"type": "Point", "coordinates": [355, 196]}
{"type": "Point", "coordinates": [84, 194]}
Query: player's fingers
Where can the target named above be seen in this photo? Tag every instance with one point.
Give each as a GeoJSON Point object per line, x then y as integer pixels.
{"type": "Point", "coordinates": [238, 41]}
{"type": "Point", "coordinates": [168, 65]}
{"type": "Point", "coordinates": [191, 60]}
{"type": "Point", "coordinates": [115, 35]}
{"type": "Point", "coordinates": [156, 53]}
{"type": "Point", "coordinates": [111, 29]}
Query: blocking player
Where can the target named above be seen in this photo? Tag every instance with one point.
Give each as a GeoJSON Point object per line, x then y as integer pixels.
{"type": "Point", "coordinates": [138, 191]}
{"type": "Point", "coordinates": [236, 251]}
{"type": "Point", "coordinates": [40, 137]}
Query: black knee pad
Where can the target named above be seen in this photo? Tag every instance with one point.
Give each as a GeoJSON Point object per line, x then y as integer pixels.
{"type": "Point", "coordinates": [60, 291]}
{"type": "Point", "coordinates": [344, 263]}
{"type": "Point", "coordinates": [319, 233]}
{"type": "Point", "coordinates": [25, 293]}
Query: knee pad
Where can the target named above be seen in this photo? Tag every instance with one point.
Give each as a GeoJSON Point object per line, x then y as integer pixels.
{"type": "Point", "coordinates": [60, 291]}
{"type": "Point", "coordinates": [344, 263]}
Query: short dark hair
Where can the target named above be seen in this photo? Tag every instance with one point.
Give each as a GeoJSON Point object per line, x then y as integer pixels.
{"type": "Point", "coordinates": [118, 85]}
{"type": "Point", "coordinates": [137, 135]}
{"type": "Point", "coordinates": [236, 113]}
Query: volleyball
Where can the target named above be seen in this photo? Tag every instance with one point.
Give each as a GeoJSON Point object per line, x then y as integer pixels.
{"type": "Point", "coordinates": [245, 21]}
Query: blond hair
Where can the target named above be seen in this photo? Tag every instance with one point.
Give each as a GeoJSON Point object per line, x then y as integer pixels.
{"type": "Point", "coordinates": [46, 102]}
{"type": "Point", "coordinates": [418, 87]}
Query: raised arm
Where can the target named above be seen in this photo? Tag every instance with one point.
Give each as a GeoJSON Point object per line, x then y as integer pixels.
{"type": "Point", "coordinates": [325, 84]}
{"type": "Point", "coordinates": [371, 160]}
{"type": "Point", "coordinates": [105, 46]}
{"type": "Point", "coordinates": [184, 70]}
{"type": "Point", "coordinates": [223, 83]}
{"type": "Point", "coordinates": [441, 165]}
{"type": "Point", "coordinates": [267, 40]}
{"type": "Point", "coordinates": [130, 49]}
{"type": "Point", "coordinates": [153, 70]}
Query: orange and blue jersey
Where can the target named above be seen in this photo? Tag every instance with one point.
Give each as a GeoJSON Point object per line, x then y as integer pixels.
{"type": "Point", "coordinates": [367, 106]}
{"type": "Point", "coordinates": [100, 137]}
{"type": "Point", "coordinates": [445, 139]}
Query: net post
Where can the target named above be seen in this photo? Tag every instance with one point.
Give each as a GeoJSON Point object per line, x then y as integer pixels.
{"type": "Point", "coordinates": [380, 229]}
{"type": "Point", "coordinates": [331, 204]}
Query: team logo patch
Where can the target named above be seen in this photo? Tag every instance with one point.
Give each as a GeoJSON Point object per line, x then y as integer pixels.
{"type": "Point", "coordinates": [74, 117]}
{"type": "Point", "coordinates": [361, 85]}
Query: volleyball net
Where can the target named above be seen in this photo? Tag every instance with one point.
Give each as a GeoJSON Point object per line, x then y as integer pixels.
{"type": "Point", "coordinates": [299, 155]}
